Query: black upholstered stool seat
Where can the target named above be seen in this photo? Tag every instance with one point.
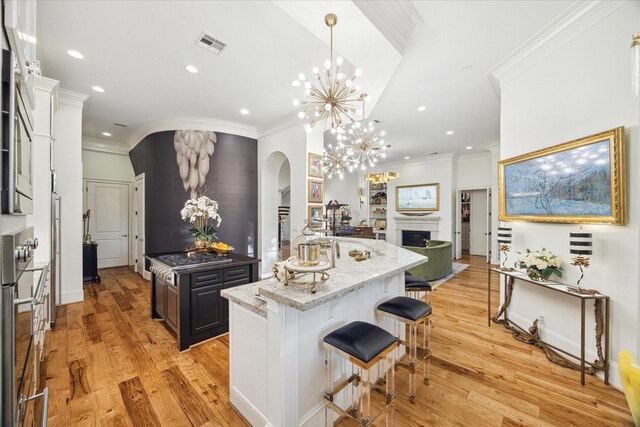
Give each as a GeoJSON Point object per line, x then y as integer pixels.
{"type": "Point", "coordinates": [424, 286]}
{"type": "Point", "coordinates": [361, 340]}
{"type": "Point", "coordinates": [410, 278]}
{"type": "Point", "coordinates": [406, 308]}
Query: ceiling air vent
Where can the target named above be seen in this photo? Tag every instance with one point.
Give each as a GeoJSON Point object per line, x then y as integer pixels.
{"type": "Point", "coordinates": [210, 43]}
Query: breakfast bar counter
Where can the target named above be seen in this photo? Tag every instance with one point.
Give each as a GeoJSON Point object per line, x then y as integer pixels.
{"type": "Point", "coordinates": [276, 331]}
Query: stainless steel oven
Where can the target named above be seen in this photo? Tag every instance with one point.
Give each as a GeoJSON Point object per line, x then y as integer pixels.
{"type": "Point", "coordinates": [17, 143]}
{"type": "Point", "coordinates": [24, 313]}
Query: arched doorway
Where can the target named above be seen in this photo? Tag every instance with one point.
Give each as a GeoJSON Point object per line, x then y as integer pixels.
{"type": "Point", "coordinates": [274, 193]}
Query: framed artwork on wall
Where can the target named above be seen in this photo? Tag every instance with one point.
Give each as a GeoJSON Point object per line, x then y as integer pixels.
{"type": "Point", "coordinates": [315, 191]}
{"type": "Point", "coordinates": [315, 213]}
{"type": "Point", "coordinates": [418, 198]}
{"type": "Point", "coordinates": [315, 165]}
{"type": "Point", "coordinates": [578, 182]}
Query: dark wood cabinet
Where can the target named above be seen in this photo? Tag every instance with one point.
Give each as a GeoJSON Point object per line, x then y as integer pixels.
{"type": "Point", "coordinates": [193, 306]}
{"type": "Point", "coordinates": [90, 262]}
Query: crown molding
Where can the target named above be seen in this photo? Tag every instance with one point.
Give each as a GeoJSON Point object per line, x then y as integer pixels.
{"type": "Point", "coordinates": [472, 157]}
{"type": "Point", "coordinates": [576, 19]}
{"type": "Point", "coordinates": [191, 123]}
{"type": "Point", "coordinates": [281, 124]}
{"type": "Point", "coordinates": [396, 21]}
{"type": "Point", "coordinates": [436, 158]}
{"type": "Point", "coordinates": [104, 147]}
{"type": "Point", "coordinates": [71, 98]}
{"type": "Point", "coordinates": [47, 84]}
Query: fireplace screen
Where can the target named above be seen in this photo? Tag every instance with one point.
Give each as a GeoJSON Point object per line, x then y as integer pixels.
{"type": "Point", "coordinates": [415, 238]}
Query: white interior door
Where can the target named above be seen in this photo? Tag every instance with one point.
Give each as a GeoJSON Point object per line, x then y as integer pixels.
{"type": "Point", "coordinates": [489, 226]}
{"type": "Point", "coordinates": [139, 224]}
{"type": "Point", "coordinates": [479, 221]}
{"type": "Point", "coordinates": [109, 223]}
{"type": "Point", "coordinates": [458, 241]}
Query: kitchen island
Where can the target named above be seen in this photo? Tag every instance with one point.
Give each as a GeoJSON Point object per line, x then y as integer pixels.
{"type": "Point", "coordinates": [276, 331]}
{"type": "Point", "coordinates": [185, 292]}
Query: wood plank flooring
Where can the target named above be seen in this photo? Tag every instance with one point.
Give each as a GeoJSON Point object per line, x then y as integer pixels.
{"type": "Point", "coordinates": [107, 363]}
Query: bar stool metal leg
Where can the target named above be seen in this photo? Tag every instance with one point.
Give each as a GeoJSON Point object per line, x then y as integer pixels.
{"type": "Point", "coordinates": [426, 344]}
{"type": "Point", "coordinates": [328, 385]}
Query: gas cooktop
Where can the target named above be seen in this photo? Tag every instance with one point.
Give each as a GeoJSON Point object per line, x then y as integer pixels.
{"type": "Point", "coordinates": [181, 259]}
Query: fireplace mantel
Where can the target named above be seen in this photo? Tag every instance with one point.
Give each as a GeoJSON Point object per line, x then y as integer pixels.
{"type": "Point", "coordinates": [416, 223]}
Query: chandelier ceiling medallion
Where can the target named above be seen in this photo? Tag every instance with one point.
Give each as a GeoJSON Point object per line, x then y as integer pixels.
{"type": "Point", "coordinates": [329, 95]}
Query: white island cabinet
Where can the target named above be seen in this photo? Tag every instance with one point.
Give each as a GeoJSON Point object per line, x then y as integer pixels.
{"type": "Point", "coordinates": [276, 331]}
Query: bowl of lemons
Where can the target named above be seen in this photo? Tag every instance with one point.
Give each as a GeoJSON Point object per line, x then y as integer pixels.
{"type": "Point", "coordinates": [222, 248]}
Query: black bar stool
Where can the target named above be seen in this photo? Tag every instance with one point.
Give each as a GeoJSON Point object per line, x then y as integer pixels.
{"type": "Point", "coordinates": [411, 312]}
{"type": "Point", "coordinates": [364, 345]}
{"type": "Point", "coordinates": [414, 285]}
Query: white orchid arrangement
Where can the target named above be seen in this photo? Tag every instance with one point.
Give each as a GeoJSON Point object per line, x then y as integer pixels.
{"type": "Point", "coordinates": [543, 261]}
{"type": "Point", "coordinates": [198, 211]}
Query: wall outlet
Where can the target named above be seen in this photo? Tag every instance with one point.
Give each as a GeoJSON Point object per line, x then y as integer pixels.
{"type": "Point", "coordinates": [296, 227]}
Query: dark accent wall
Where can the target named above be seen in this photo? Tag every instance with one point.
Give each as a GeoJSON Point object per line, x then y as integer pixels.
{"type": "Point", "coordinates": [232, 181]}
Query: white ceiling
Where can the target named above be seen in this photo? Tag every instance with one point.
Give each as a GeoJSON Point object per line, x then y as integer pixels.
{"type": "Point", "coordinates": [137, 51]}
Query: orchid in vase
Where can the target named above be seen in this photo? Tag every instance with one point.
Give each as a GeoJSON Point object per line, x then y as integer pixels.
{"type": "Point", "coordinates": [540, 265]}
{"type": "Point", "coordinates": [202, 212]}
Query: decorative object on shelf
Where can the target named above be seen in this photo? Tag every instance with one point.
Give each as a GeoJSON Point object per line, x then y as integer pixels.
{"type": "Point", "coordinates": [336, 161]}
{"type": "Point", "coordinates": [315, 191]}
{"type": "Point", "coordinates": [380, 224]}
{"type": "Point", "coordinates": [86, 237]}
{"type": "Point", "coordinates": [379, 198]}
{"type": "Point", "coordinates": [504, 239]}
{"type": "Point", "coordinates": [540, 265]}
{"type": "Point", "coordinates": [363, 144]}
{"type": "Point", "coordinates": [315, 165]}
{"type": "Point", "coordinates": [202, 212]}
{"type": "Point", "coordinates": [580, 245]}
{"type": "Point", "coordinates": [331, 98]}
{"type": "Point", "coordinates": [380, 211]}
{"type": "Point", "coordinates": [315, 213]}
{"type": "Point", "coordinates": [382, 178]}
{"type": "Point", "coordinates": [635, 65]}
{"type": "Point", "coordinates": [419, 197]}
{"type": "Point", "coordinates": [582, 181]}
{"type": "Point", "coordinates": [345, 213]}
{"type": "Point", "coordinates": [193, 149]}
{"type": "Point", "coordinates": [362, 222]}
{"type": "Point", "coordinates": [361, 196]}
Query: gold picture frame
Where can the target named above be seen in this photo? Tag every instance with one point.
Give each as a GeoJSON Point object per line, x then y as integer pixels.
{"type": "Point", "coordinates": [577, 182]}
{"type": "Point", "coordinates": [312, 209]}
{"type": "Point", "coordinates": [314, 165]}
{"type": "Point", "coordinates": [315, 191]}
{"type": "Point", "coordinates": [418, 197]}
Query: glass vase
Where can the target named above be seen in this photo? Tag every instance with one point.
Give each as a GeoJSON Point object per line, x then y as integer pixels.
{"type": "Point", "coordinates": [537, 275]}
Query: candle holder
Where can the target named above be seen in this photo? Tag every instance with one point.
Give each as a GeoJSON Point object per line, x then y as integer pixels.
{"type": "Point", "coordinates": [580, 245]}
{"type": "Point", "coordinates": [504, 239]}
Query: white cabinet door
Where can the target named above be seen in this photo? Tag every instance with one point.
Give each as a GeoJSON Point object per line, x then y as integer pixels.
{"type": "Point", "coordinates": [109, 222]}
{"type": "Point", "coordinates": [20, 23]}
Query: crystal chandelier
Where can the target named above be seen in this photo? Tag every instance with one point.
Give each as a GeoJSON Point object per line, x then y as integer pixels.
{"type": "Point", "coordinates": [364, 145]}
{"type": "Point", "coordinates": [329, 94]}
{"type": "Point", "coordinates": [335, 161]}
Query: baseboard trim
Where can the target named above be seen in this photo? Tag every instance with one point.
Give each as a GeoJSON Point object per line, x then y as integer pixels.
{"type": "Point", "coordinates": [246, 408]}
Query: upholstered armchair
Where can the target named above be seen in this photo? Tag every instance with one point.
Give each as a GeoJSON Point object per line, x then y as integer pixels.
{"type": "Point", "coordinates": [440, 260]}
{"type": "Point", "coordinates": [629, 370]}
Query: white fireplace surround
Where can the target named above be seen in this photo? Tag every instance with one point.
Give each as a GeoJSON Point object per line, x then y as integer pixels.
{"type": "Point", "coordinates": [416, 223]}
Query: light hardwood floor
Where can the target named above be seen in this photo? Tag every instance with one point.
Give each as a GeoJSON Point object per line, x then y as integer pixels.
{"type": "Point", "coordinates": [107, 363]}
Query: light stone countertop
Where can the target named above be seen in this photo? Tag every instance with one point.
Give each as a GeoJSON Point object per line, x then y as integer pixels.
{"type": "Point", "coordinates": [348, 276]}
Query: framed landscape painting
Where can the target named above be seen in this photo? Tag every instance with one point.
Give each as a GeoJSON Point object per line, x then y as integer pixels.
{"type": "Point", "coordinates": [580, 182]}
{"type": "Point", "coordinates": [418, 198]}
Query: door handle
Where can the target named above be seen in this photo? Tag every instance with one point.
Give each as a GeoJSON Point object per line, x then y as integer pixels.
{"type": "Point", "coordinates": [125, 235]}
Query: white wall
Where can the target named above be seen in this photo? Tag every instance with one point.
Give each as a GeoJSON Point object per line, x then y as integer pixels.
{"type": "Point", "coordinates": [346, 191]}
{"type": "Point", "coordinates": [107, 166]}
{"type": "Point", "coordinates": [580, 88]}
{"type": "Point", "coordinates": [474, 170]}
{"type": "Point", "coordinates": [292, 143]}
{"type": "Point", "coordinates": [68, 162]}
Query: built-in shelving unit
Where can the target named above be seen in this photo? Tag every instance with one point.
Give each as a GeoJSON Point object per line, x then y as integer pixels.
{"type": "Point", "coordinates": [378, 209]}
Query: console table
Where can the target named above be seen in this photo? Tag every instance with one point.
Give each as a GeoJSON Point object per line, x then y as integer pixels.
{"type": "Point", "coordinates": [531, 336]}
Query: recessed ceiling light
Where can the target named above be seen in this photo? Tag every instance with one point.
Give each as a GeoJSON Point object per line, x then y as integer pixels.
{"type": "Point", "coordinates": [295, 83]}
{"type": "Point", "coordinates": [75, 54]}
{"type": "Point", "coordinates": [191, 69]}
{"type": "Point", "coordinates": [244, 111]}
{"type": "Point", "coordinates": [106, 134]}
{"type": "Point", "coordinates": [422, 108]}
{"type": "Point", "coordinates": [97, 89]}
{"type": "Point", "coordinates": [469, 147]}
{"type": "Point", "coordinates": [449, 132]}
{"type": "Point", "coordinates": [407, 157]}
